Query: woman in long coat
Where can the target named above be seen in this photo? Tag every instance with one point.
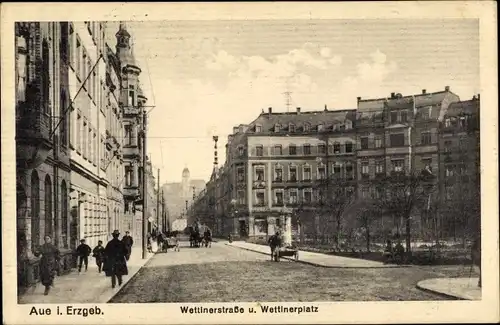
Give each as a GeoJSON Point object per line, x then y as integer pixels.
{"type": "Point", "coordinates": [115, 261]}
{"type": "Point", "coordinates": [49, 263]}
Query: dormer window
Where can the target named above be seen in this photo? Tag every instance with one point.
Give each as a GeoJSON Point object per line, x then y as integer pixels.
{"type": "Point", "coordinates": [307, 127]}
{"type": "Point", "coordinates": [447, 122]}
{"type": "Point", "coordinates": [241, 151]}
{"type": "Point", "coordinates": [320, 127]}
{"type": "Point", "coordinates": [277, 128]}
{"type": "Point", "coordinates": [258, 128]}
{"type": "Point", "coordinates": [348, 124]}
{"type": "Point", "coordinates": [291, 128]}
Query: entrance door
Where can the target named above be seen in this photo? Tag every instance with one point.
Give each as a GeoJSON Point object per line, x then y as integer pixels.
{"type": "Point", "coordinates": [243, 228]}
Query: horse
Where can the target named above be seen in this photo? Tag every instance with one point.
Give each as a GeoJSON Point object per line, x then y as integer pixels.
{"type": "Point", "coordinates": [207, 241]}
{"type": "Point", "coordinates": [195, 239]}
{"type": "Point", "coordinates": [476, 257]}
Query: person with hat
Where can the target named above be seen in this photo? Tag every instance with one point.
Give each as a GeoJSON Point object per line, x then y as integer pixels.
{"type": "Point", "coordinates": [83, 251]}
{"type": "Point", "coordinates": [128, 241]}
{"type": "Point", "coordinates": [115, 259]}
{"type": "Point", "coordinates": [98, 253]}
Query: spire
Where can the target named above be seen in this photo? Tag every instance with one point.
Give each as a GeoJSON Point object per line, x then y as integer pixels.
{"type": "Point", "coordinates": [122, 36]}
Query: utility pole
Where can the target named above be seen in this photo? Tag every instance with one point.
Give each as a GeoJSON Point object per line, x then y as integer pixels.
{"type": "Point", "coordinates": [158, 202]}
{"type": "Point", "coordinates": [144, 188]}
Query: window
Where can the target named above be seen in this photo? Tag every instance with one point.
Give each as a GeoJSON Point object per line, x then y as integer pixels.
{"type": "Point", "coordinates": [84, 139]}
{"type": "Point", "coordinates": [322, 172]}
{"type": "Point", "coordinates": [278, 174]}
{"type": "Point", "coordinates": [241, 197]}
{"type": "Point", "coordinates": [364, 142]}
{"type": "Point", "coordinates": [378, 142]}
{"type": "Point", "coordinates": [404, 116]}
{"type": "Point", "coordinates": [321, 149]}
{"type": "Point", "coordinates": [278, 150]}
{"type": "Point", "coordinates": [35, 210]}
{"type": "Point", "coordinates": [131, 96]}
{"type": "Point", "coordinates": [259, 174]}
{"type": "Point", "coordinates": [64, 214]}
{"type": "Point", "coordinates": [336, 148]}
{"type": "Point", "coordinates": [394, 117]}
{"type": "Point", "coordinates": [292, 150]}
{"type": "Point", "coordinates": [336, 169]}
{"type": "Point", "coordinates": [259, 199]}
{"type": "Point", "coordinates": [48, 208]}
{"type": "Point", "coordinates": [398, 165]}
{"type": "Point", "coordinates": [79, 55]}
{"type": "Point", "coordinates": [241, 151]}
{"type": "Point", "coordinates": [427, 163]}
{"type": "Point", "coordinates": [259, 151]}
{"type": "Point", "coordinates": [240, 174]}
{"type": "Point", "coordinates": [365, 168]}
{"type": "Point", "coordinates": [307, 173]}
{"type": "Point", "coordinates": [348, 147]}
{"type": "Point", "coordinates": [22, 68]}
{"type": "Point", "coordinates": [307, 149]}
{"type": "Point", "coordinates": [307, 196]}
{"type": "Point", "coordinates": [293, 199]}
{"type": "Point", "coordinates": [348, 125]}
{"type": "Point", "coordinates": [449, 171]}
{"type": "Point", "coordinates": [128, 134]}
{"type": "Point", "coordinates": [71, 45]}
{"type": "Point", "coordinates": [277, 128]}
{"type": "Point", "coordinates": [320, 127]}
{"type": "Point", "coordinates": [425, 137]}
{"type": "Point", "coordinates": [63, 128]}
{"type": "Point", "coordinates": [128, 175]}
{"type": "Point", "coordinates": [307, 127]}
{"type": "Point", "coordinates": [89, 143]}
{"type": "Point", "coordinates": [278, 195]}
{"type": "Point", "coordinates": [379, 167]}
{"type": "Point", "coordinates": [447, 123]}
{"type": "Point", "coordinates": [397, 140]}
{"type": "Point", "coordinates": [448, 192]}
{"type": "Point", "coordinates": [447, 146]}
{"type": "Point", "coordinates": [365, 192]}
{"type": "Point", "coordinates": [349, 171]}
{"type": "Point", "coordinates": [293, 173]}
{"type": "Point", "coordinates": [258, 129]}
{"type": "Point", "coordinates": [291, 128]}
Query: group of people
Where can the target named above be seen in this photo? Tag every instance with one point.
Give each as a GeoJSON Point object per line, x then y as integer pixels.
{"type": "Point", "coordinates": [111, 259]}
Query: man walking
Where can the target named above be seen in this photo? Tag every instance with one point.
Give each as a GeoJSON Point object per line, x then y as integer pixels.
{"type": "Point", "coordinates": [83, 251]}
{"type": "Point", "coordinates": [98, 254]}
{"type": "Point", "coordinates": [129, 242]}
{"type": "Point", "coordinates": [115, 259]}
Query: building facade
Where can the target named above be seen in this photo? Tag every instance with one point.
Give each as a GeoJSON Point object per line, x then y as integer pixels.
{"type": "Point", "coordinates": [42, 96]}
{"type": "Point", "coordinates": [276, 166]}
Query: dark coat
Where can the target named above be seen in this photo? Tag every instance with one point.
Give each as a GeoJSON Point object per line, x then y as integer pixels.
{"type": "Point", "coordinates": [128, 241]}
{"type": "Point", "coordinates": [115, 262]}
{"type": "Point", "coordinates": [49, 263]}
{"type": "Point", "coordinates": [98, 253]}
{"type": "Point", "coordinates": [83, 250]}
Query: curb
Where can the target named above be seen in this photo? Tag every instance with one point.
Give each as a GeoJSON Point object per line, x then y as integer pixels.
{"type": "Point", "coordinates": [442, 294]}
{"type": "Point", "coordinates": [324, 266]}
{"type": "Point", "coordinates": [128, 279]}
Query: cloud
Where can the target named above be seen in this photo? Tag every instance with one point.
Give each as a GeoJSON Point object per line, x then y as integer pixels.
{"type": "Point", "coordinates": [326, 52]}
{"type": "Point", "coordinates": [336, 60]}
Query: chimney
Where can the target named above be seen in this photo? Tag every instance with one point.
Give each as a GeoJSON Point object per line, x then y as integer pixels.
{"type": "Point", "coordinates": [478, 96]}
{"type": "Point", "coordinates": [474, 97]}
{"type": "Point", "coordinates": [393, 95]}
{"type": "Point", "coordinates": [235, 129]}
{"type": "Point", "coordinates": [424, 91]}
{"type": "Point", "coordinates": [447, 88]}
{"type": "Point", "coordinates": [326, 108]}
{"type": "Point", "coordinates": [270, 110]}
{"type": "Point", "coordinates": [298, 110]}
{"type": "Point", "coordinates": [359, 98]}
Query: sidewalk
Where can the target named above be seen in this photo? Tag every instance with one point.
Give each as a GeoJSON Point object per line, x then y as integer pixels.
{"type": "Point", "coordinates": [317, 259]}
{"type": "Point", "coordinates": [460, 288]}
{"type": "Point", "coordinates": [86, 287]}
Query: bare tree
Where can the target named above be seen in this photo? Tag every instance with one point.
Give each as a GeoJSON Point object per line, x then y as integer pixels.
{"type": "Point", "coordinates": [400, 194]}
{"type": "Point", "coordinates": [336, 195]}
{"type": "Point", "coordinates": [367, 212]}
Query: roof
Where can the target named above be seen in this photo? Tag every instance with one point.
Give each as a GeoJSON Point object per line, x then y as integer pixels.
{"type": "Point", "coordinates": [424, 99]}
{"type": "Point", "coordinates": [468, 107]}
{"type": "Point", "coordinates": [327, 118]}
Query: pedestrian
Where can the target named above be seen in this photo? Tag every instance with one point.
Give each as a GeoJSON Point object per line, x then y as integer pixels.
{"type": "Point", "coordinates": [49, 263]}
{"type": "Point", "coordinates": [83, 251]}
{"type": "Point", "coordinates": [115, 259]}
{"type": "Point", "coordinates": [129, 242]}
{"type": "Point", "coordinates": [274, 244]}
{"type": "Point", "coordinates": [98, 254]}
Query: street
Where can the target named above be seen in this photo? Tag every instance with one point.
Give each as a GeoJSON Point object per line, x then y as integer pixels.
{"type": "Point", "coordinates": [225, 274]}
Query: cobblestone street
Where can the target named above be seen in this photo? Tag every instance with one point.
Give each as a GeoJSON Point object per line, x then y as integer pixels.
{"type": "Point", "coordinates": [224, 274]}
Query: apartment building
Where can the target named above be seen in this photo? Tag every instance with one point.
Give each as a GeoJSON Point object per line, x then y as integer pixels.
{"type": "Point", "coordinates": [42, 97]}
{"type": "Point", "coordinates": [459, 169]}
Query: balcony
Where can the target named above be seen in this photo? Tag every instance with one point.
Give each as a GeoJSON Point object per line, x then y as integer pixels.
{"type": "Point", "coordinates": [259, 184]}
{"type": "Point", "coordinates": [131, 191]}
{"type": "Point", "coordinates": [131, 110]}
{"type": "Point", "coordinates": [33, 143]}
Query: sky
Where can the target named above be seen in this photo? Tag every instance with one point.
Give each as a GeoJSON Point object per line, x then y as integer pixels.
{"type": "Point", "coordinates": [204, 77]}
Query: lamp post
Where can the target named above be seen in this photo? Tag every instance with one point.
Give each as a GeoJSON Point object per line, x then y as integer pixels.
{"type": "Point", "coordinates": [144, 188]}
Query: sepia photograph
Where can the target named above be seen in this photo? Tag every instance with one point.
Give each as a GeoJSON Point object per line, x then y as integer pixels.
{"type": "Point", "coordinates": [213, 161]}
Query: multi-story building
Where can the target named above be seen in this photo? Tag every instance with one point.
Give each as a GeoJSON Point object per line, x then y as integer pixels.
{"type": "Point", "coordinates": [133, 101]}
{"type": "Point", "coordinates": [459, 171]}
{"type": "Point", "coordinates": [399, 134]}
{"type": "Point", "coordinates": [154, 209]}
{"type": "Point", "coordinates": [276, 166]}
{"type": "Point", "coordinates": [42, 143]}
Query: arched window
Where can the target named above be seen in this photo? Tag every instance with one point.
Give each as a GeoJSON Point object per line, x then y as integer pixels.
{"type": "Point", "coordinates": [48, 207]}
{"type": "Point", "coordinates": [64, 214]}
{"type": "Point", "coordinates": [45, 77]}
{"type": "Point", "coordinates": [35, 210]}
